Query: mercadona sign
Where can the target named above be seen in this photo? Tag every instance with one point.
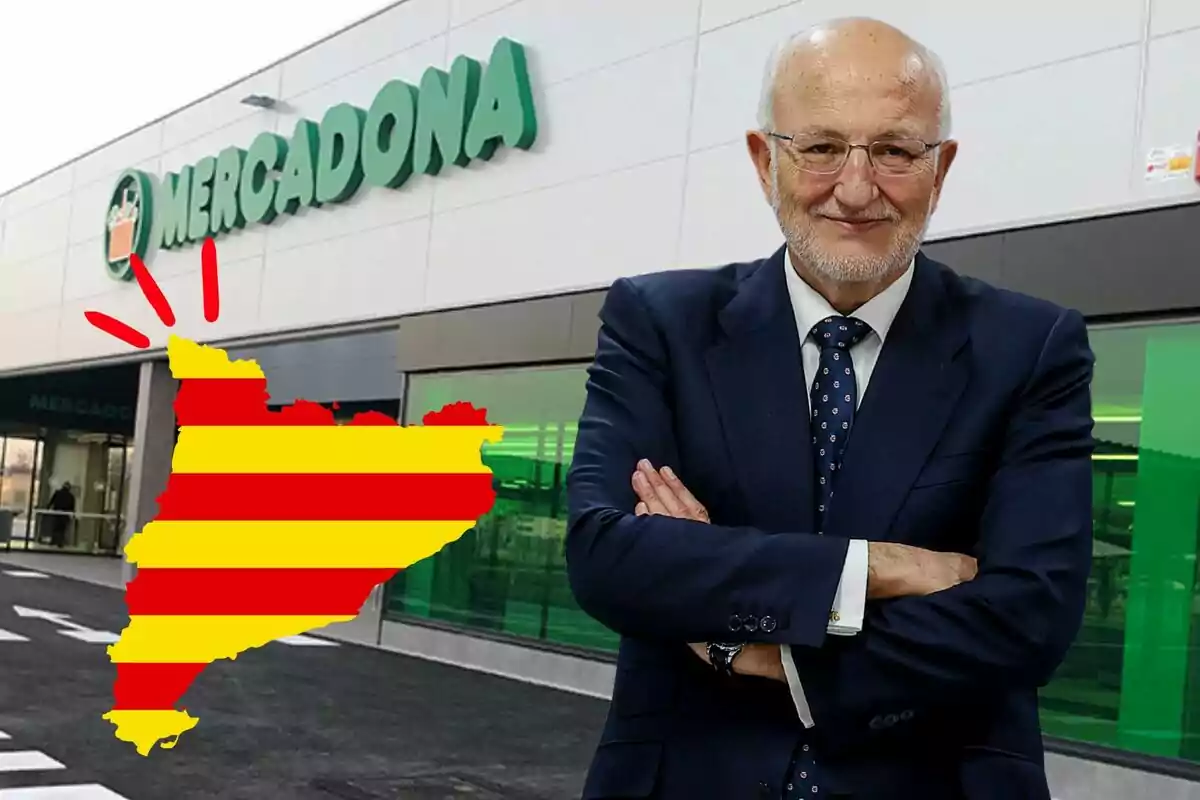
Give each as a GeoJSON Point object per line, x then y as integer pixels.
{"type": "Point", "coordinates": [451, 118]}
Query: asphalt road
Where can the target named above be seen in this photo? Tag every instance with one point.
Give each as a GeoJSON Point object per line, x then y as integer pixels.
{"type": "Point", "coordinates": [289, 722]}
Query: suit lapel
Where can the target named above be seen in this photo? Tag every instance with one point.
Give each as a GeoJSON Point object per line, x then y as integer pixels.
{"type": "Point", "coordinates": [757, 375]}
{"type": "Point", "coordinates": [912, 392]}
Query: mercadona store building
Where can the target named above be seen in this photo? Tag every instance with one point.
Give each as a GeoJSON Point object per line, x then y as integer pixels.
{"type": "Point", "coordinates": [429, 205]}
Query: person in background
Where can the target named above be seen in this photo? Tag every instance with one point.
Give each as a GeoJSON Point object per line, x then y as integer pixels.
{"type": "Point", "coordinates": [836, 501]}
{"type": "Point", "coordinates": [62, 502]}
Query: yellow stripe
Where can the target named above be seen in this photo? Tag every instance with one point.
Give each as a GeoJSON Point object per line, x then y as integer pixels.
{"type": "Point", "coordinates": [191, 360]}
{"type": "Point", "coordinates": [197, 639]}
{"type": "Point", "coordinates": [144, 728]}
{"type": "Point", "coordinates": [290, 544]}
{"type": "Point", "coordinates": [330, 449]}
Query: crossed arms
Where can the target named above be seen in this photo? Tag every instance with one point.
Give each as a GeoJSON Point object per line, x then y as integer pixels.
{"type": "Point", "coordinates": [671, 579]}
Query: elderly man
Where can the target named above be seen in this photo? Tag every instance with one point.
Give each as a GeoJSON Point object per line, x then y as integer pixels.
{"type": "Point", "coordinates": [836, 501]}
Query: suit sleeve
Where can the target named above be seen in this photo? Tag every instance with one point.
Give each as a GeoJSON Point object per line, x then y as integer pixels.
{"type": "Point", "coordinates": [1012, 625]}
{"type": "Point", "coordinates": [655, 577]}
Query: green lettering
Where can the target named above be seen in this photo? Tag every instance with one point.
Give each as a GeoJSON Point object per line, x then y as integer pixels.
{"type": "Point", "coordinates": [256, 194]}
{"type": "Point", "coordinates": [443, 114]}
{"type": "Point", "coordinates": [339, 169]}
{"type": "Point", "coordinates": [297, 184]}
{"type": "Point", "coordinates": [387, 151]}
{"type": "Point", "coordinates": [198, 220]}
{"type": "Point", "coordinates": [175, 192]}
{"type": "Point", "coordinates": [226, 213]}
{"type": "Point", "coordinates": [505, 111]}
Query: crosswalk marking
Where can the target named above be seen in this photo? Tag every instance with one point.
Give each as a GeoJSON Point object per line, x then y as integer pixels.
{"type": "Point", "coordinates": [300, 640]}
{"type": "Point", "coordinates": [81, 791]}
{"type": "Point", "coordinates": [9, 636]}
{"type": "Point", "coordinates": [26, 760]}
{"type": "Point", "coordinates": [24, 573]}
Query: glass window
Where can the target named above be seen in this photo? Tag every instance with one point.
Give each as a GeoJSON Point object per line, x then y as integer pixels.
{"type": "Point", "coordinates": [508, 574]}
{"type": "Point", "coordinates": [1132, 680]}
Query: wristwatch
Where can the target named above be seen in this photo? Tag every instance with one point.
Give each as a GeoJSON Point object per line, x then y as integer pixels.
{"type": "Point", "coordinates": [722, 654]}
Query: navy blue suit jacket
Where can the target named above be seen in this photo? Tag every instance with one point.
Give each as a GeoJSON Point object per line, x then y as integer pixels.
{"type": "Point", "coordinates": [974, 436]}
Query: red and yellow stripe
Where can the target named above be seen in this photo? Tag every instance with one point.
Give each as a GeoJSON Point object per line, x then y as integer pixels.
{"type": "Point", "coordinates": [276, 523]}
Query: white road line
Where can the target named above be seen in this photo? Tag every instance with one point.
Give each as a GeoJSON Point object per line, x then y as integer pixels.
{"type": "Point", "coordinates": [26, 760]}
{"type": "Point", "coordinates": [24, 573]}
{"type": "Point", "coordinates": [4, 736]}
{"type": "Point", "coordinates": [306, 641]}
{"type": "Point", "coordinates": [93, 637]}
{"type": "Point", "coordinates": [79, 791]}
{"type": "Point", "coordinates": [9, 636]}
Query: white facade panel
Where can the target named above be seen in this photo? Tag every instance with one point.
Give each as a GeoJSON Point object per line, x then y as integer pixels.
{"type": "Point", "coordinates": [567, 38]}
{"type": "Point", "coordinates": [49, 187]}
{"type": "Point", "coordinates": [579, 236]}
{"type": "Point", "coordinates": [41, 282]}
{"type": "Point", "coordinates": [726, 216]}
{"type": "Point", "coordinates": [1039, 144]}
{"type": "Point", "coordinates": [1171, 16]}
{"type": "Point", "coordinates": [392, 31]}
{"type": "Point", "coordinates": [639, 163]}
{"type": "Point", "coordinates": [36, 231]}
{"type": "Point", "coordinates": [585, 130]}
{"type": "Point", "coordinates": [376, 273]}
{"type": "Point", "coordinates": [463, 11]}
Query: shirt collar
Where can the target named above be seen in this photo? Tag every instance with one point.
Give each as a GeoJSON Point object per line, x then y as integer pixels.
{"type": "Point", "coordinates": [810, 307]}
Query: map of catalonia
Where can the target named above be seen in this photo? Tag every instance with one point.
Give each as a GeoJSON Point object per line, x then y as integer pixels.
{"type": "Point", "coordinates": [275, 523]}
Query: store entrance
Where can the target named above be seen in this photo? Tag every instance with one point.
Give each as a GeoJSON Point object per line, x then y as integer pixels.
{"type": "Point", "coordinates": [66, 443]}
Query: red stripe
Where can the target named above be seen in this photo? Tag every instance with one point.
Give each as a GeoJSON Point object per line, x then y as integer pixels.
{"type": "Point", "coordinates": [243, 401]}
{"type": "Point", "coordinates": [333, 592]}
{"type": "Point", "coordinates": [152, 686]}
{"type": "Point", "coordinates": [208, 280]}
{"type": "Point", "coordinates": [387, 496]}
{"type": "Point", "coordinates": [152, 291]}
{"type": "Point", "coordinates": [114, 327]}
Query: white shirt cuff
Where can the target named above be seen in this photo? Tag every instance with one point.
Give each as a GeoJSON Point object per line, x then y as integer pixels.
{"type": "Point", "coordinates": [845, 619]}
{"type": "Point", "coordinates": [793, 681]}
{"type": "Point", "coordinates": [849, 604]}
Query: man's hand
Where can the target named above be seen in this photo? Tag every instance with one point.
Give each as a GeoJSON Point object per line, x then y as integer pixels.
{"type": "Point", "coordinates": [900, 570]}
{"type": "Point", "coordinates": [661, 492]}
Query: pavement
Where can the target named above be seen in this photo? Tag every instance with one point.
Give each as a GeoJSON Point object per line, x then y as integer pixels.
{"type": "Point", "coordinates": [305, 720]}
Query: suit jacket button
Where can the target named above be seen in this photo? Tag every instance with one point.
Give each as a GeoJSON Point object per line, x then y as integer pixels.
{"type": "Point", "coordinates": [735, 622]}
{"type": "Point", "coordinates": [764, 789]}
{"type": "Point", "coordinates": [890, 720]}
{"type": "Point", "coordinates": [877, 723]}
{"type": "Point", "coordinates": [767, 624]}
{"type": "Point", "coordinates": [750, 623]}
{"type": "Point", "coordinates": [905, 716]}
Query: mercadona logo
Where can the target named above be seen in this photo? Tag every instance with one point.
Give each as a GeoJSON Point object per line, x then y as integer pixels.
{"type": "Point", "coordinates": [127, 226]}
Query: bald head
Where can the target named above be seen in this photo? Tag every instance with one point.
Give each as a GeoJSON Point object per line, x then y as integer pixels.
{"type": "Point", "coordinates": [854, 51]}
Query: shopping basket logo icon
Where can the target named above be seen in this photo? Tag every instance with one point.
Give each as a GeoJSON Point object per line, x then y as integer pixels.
{"type": "Point", "coordinates": [128, 224]}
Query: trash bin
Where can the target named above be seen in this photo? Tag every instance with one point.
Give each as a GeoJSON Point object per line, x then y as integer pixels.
{"type": "Point", "coordinates": [6, 525]}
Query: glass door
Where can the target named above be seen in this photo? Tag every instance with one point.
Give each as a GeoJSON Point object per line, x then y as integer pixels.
{"type": "Point", "coordinates": [19, 488]}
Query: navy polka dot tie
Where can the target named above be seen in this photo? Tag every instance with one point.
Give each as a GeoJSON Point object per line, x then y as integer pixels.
{"type": "Point", "coordinates": [834, 398]}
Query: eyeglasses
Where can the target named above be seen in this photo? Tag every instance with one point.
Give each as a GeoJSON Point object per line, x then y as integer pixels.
{"type": "Point", "coordinates": [826, 155]}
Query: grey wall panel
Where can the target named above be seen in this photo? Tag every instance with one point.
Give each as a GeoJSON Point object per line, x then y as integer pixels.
{"type": "Point", "coordinates": [353, 367]}
{"type": "Point", "coordinates": [1143, 263]}
{"type": "Point", "coordinates": [530, 331]}
{"type": "Point", "coordinates": [978, 256]}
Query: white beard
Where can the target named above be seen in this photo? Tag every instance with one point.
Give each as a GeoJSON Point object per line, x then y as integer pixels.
{"type": "Point", "coordinates": [805, 247]}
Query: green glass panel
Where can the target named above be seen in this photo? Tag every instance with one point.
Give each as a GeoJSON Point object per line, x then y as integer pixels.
{"type": "Point", "coordinates": [1132, 679]}
{"type": "Point", "coordinates": [508, 574]}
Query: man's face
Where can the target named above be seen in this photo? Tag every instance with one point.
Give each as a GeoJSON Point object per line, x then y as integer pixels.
{"type": "Point", "coordinates": [858, 224]}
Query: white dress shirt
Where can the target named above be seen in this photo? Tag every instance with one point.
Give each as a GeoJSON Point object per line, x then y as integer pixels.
{"type": "Point", "coordinates": [849, 604]}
